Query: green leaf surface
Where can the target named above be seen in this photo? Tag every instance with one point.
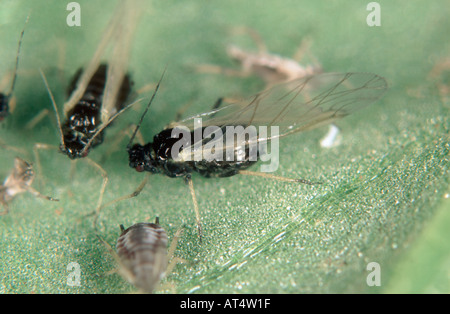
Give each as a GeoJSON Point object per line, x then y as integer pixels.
{"type": "Point", "coordinates": [385, 190]}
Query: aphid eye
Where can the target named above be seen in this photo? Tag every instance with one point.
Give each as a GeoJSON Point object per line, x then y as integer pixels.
{"type": "Point", "coordinates": [139, 168]}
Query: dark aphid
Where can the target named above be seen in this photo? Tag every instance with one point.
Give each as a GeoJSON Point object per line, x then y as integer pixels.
{"type": "Point", "coordinates": [7, 103]}
{"type": "Point", "coordinates": [295, 106]}
{"type": "Point", "coordinates": [143, 255]}
{"type": "Point", "coordinates": [98, 93]}
{"type": "Point", "coordinates": [19, 181]}
{"type": "Point", "coordinates": [84, 119]}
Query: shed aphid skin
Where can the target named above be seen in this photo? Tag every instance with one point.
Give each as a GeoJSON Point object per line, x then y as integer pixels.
{"type": "Point", "coordinates": [143, 255]}
{"type": "Point", "coordinates": [270, 67]}
{"type": "Point", "coordinates": [330, 97]}
{"type": "Point", "coordinates": [332, 138]}
{"type": "Point", "coordinates": [19, 181]}
{"type": "Point", "coordinates": [7, 101]}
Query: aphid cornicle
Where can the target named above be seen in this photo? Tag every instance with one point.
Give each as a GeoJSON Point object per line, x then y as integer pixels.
{"type": "Point", "coordinates": [19, 181]}
{"type": "Point", "coordinates": [294, 106]}
{"type": "Point", "coordinates": [6, 101]}
{"type": "Point", "coordinates": [4, 106]}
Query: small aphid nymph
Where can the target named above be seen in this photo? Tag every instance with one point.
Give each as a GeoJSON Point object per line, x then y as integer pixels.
{"type": "Point", "coordinates": [142, 249]}
{"type": "Point", "coordinates": [19, 181]}
{"type": "Point", "coordinates": [143, 254]}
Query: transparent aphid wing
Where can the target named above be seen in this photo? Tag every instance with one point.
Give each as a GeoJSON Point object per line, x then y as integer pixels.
{"type": "Point", "coordinates": [298, 105]}
{"type": "Point", "coordinates": [118, 65]}
{"type": "Point", "coordinates": [109, 35]}
{"type": "Point", "coordinates": [90, 70]}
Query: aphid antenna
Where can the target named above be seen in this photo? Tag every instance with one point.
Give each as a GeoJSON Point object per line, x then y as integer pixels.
{"type": "Point", "coordinates": [17, 58]}
{"type": "Point", "coordinates": [145, 111]}
{"type": "Point", "coordinates": [58, 120]}
{"type": "Point", "coordinates": [91, 140]}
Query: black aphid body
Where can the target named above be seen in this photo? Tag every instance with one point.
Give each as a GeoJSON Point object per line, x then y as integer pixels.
{"type": "Point", "coordinates": [290, 107]}
{"type": "Point", "coordinates": [4, 106]}
{"type": "Point", "coordinates": [84, 118]}
{"type": "Point", "coordinates": [142, 249]}
{"type": "Point", "coordinates": [157, 157]}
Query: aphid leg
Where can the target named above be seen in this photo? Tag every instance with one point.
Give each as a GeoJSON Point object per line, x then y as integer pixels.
{"type": "Point", "coordinates": [128, 196]}
{"type": "Point", "coordinates": [38, 194]}
{"type": "Point", "coordinates": [216, 69]}
{"type": "Point", "coordinates": [237, 53]}
{"type": "Point", "coordinates": [194, 200]}
{"type": "Point", "coordinates": [21, 151]}
{"type": "Point", "coordinates": [255, 36]}
{"type": "Point", "coordinates": [73, 167]}
{"type": "Point", "coordinates": [111, 251]}
{"type": "Point", "coordinates": [102, 189]}
{"type": "Point", "coordinates": [37, 118]}
{"type": "Point", "coordinates": [271, 176]}
{"type": "Point", "coordinates": [36, 148]}
{"type": "Point", "coordinates": [304, 49]}
{"type": "Point", "coordinates": [173, 260]}
{"type": "Point", "coordinates": [146, 88]}
{"type": "Point", "coordinates": [121, 269]}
